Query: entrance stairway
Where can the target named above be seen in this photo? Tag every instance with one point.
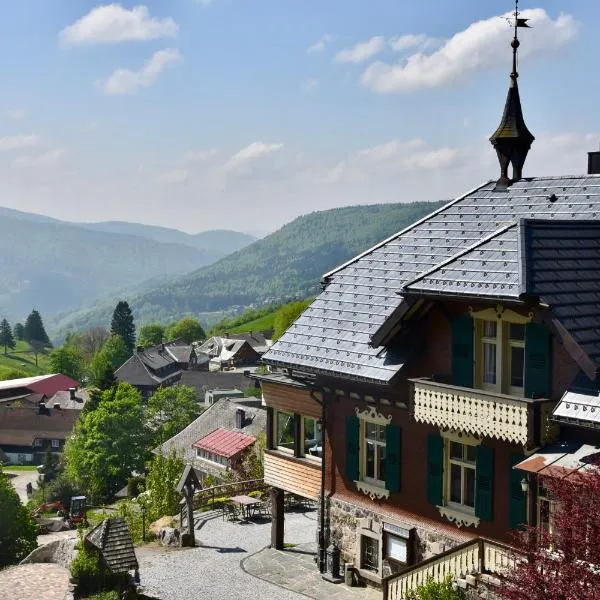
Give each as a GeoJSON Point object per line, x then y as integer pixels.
{"type": "Point", "coordinates": [465, 563]}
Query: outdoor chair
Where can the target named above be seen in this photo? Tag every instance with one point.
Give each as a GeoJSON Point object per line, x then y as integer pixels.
{"type": "Point", "coordinates": [264, 508]}
{"type": "Point", "coordinates": [230, 512]}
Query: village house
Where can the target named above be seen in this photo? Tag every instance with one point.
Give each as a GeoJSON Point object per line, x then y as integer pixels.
{"type": "Point", "coordinates": [216, 443]}
{"type": "Point", "coordinates": [185, 355]}
{"type": "Point", "coordinates": [228, 353]}
{"type": "Point", "coordinates": [45, 385]}
{"type": "Point", "coordinates": [434, 363]}
{"type": "Point", "coordinates": [149, 369]}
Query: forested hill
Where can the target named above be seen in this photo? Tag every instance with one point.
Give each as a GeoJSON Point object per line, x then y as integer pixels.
{"type": "Point", "coordinates": [284, 265]}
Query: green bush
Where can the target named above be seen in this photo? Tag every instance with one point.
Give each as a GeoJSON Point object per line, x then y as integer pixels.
{"type": "Point", "coordinates": [135, 486]}
{"type": "Point", "coordinates": [433, 590]}
{"type": "Point", "coordinates": [86, 570]}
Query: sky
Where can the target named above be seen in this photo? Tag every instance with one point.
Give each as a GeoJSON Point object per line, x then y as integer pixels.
{"type": "Point", "coordinates": [243, 114]}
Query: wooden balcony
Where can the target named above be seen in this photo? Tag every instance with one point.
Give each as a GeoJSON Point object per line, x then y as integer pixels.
{"type": "Point", "coordinates": [299, 476]}
{"type": "Point", "coordinates": [482, 413]}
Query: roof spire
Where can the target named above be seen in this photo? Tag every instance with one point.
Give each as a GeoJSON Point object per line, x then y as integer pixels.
{"type": "Point", "coordinates": [512, 139]}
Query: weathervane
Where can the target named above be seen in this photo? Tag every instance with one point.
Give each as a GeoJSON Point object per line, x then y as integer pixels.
{"type": "Point", "coordinates": [518, 22]}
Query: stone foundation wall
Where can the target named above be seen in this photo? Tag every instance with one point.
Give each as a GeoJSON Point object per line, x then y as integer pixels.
{"type": "Point", "coordinates": [347, 522]}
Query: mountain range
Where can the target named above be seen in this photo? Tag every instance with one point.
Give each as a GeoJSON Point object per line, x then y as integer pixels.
{"type": "Point", "coordinates": [284, 265]}
{"type": "Point", "coordinates": [59, 266]}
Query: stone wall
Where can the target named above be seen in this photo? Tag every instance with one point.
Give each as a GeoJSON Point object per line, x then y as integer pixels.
{"type": "Point", "coordinates": [347, 522]}
{"type": "Point", "coordinates": [60, 552]}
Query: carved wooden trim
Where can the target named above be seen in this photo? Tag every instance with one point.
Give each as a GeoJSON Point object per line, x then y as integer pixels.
{"type": "Point", "coordinates": [460, 437]}
{"type": "Point", "coordinates": [458, 517]}
{"type": "Point", "coordinates": [500, 313]}
{"type": "Point", "coordinates": [373, 491]}
{"type": "Point", "coordinates": [371, 415]}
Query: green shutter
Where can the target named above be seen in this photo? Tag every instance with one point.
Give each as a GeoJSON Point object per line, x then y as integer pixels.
{"type": "Point", "coordinates": [352, 447]}
{"type": "Point", "coordinates": [435, 469]}
{"type": "Point", "coordinates": [462, 351]}
{"type": "Point", "coordinates": [484, 486]}
{"type": "Point", "coordinates": [393, 458]}
{"type": "Point", "coordinates": [537, 361]}
{"type": "Point", "coordinates": [517, 515]}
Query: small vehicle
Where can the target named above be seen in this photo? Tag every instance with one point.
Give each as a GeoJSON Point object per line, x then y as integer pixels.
{"type": "Point", "coordinates": [74, 516]}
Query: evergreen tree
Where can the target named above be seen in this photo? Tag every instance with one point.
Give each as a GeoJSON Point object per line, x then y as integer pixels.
{"type": "Point", "coordinates": [34, 330]}
{"type": "Point", "coordinates": [6, 336]}
{"type": "Point", "coordinates": [19, 331]}
{"type": "Point", "coordinates": [122, 324]}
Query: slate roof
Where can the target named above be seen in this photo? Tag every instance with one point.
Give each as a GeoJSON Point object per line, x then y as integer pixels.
{"type": "Point", "coordinates": [63, 398]}
{"type": "Point", "coordinates": [220, 415]}
{"type": "Point", "coordinates": [225, 443]}
{"type": "Point", "coordinates": [113, 540]}
{"type": "Point", "coordinates": [218, 380]}
{"type": "Point", "coordinates": [333, 335]}
{"type": "Point", "coordinates": [148, 367]}
{"type": "Point", "coordinates": [181, 353]}
{"type": "Point", "coordinates": [256, 339]}
{"type": "Point", "coordinates": [21, 426]}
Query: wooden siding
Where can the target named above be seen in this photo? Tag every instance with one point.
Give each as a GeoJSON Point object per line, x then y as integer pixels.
{"type": "Point", "coordinates": [290, 399]}
{"type": "Point", "coordinates": [298, 476]}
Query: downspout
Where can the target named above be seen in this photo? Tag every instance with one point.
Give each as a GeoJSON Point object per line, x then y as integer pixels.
{"type": "Point", "coordinates": [321, 556]}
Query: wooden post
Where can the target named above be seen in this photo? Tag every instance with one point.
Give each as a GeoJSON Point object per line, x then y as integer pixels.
{"type": "Point", "coordinates": [277, 523]}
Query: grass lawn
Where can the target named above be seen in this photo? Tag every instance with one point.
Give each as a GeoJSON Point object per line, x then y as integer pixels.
{"type": "Point", "coordinates": [264, 323]}
{"type": "Point", "coordinates": [23, 359]}
{"type": "Point", "coordinates": [20, 468]}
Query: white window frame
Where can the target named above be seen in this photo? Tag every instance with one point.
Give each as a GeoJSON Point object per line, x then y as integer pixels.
{"type": "Point", "coordinates": [276, 414]}
{"type": "Point", "coordinates": [363, 452]}
{"type": "Point", "coordinates": [56, 443]}
{"type": "Point", "coordinates": [317, 428]}
{"type": "Point", "coordinates": [463, 465]}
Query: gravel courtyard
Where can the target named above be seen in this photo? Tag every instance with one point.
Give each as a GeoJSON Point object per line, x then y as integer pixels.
{"type": "Point", "coordinates": [213, 569]}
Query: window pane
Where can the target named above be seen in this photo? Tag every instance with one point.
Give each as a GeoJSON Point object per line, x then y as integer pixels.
{"type": "Point", "coordinates": [381, 456]}
{"type": "Point", "coordinates": [370, 553]}
{"type": "Point", "coordinates": [469, 495]}
{"type": "Point", "coordinates": [516, 332]}
{"type": "Point", "coordinates": [381, 433]}
{"type": "Point", "coordinates": [489, 329]}
{"type": "Point", "coordinates": [395, 548]}
{"type": "Point", "coordinates": [285, 430]}
{"type": "Point", "coordinates": [371, 431]}
{"type": "Point", "coordinates": [455, 483]}
{"type": "Point", "coordinates": [370, 460]}
{"type": "Point", "coordinates": [489, 363]}
{"type": "Point", "coordinates": [312, 437]}
{"type": "Point", "coordinates": [470, 453]}
{"type": "Point", "coordinates": [456, 450]}
{"type": "Point", "coordinates": [517, 364]}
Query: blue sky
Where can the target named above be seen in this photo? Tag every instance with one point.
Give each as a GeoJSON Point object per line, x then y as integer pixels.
{"type": "Point", "coordinates": [246, 113]}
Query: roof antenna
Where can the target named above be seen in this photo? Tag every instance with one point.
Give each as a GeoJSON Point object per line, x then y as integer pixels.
{"type": "Point", "coordinates": [512, 139]}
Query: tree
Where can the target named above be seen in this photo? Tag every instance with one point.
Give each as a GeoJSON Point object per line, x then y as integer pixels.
{"type": "Point", "coordinates": [19, 331]}
{"type": "Point", "coordinates": [151, 334]}
{"type": "Point", "coordinates": [18, 531]}
{"type": "Point", "coordinates": [252, 466]}
{"type": "Point", "coordinates": [286, 315]}
{"type": "Point", "coordinates": [570, 569]}
{"type": "Point", "coordinates": [6, 337]}
{"type": "Point", "coordinates": [88, 342]}
{"type": "Point", "coordinates": [188, 330]}
{"type": "Point", "coordinates": [122, 324]}
{"type": "Point", "coordinates": [34, 330]}
{"type": "Point", "coordinates": [68, 361]}
{"type": "Point", "coordinates": [169, 410]}
{"type": "Point", "coordinates": [108, 444]}
{"type": "Point", "coordinates": [107, 360]}
{"type": "Point", "coordinates": [163, 475]}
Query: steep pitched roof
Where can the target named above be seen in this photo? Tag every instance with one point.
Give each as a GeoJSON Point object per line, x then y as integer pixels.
{"type": "Point", "coordinates": [63, 398]}
{"type": "Point", "coordinates": [214, 380]}
{"type": "Point", "coordinates": [333, 336]}
{"type": "Point", "coordinates": [148, 367]}
{"type": "Point", "coordinates": [220, 415]}
{"type": "Point", "coordinates": [113, 540]}
{"type": "Point", "coordinates": [21, 426]}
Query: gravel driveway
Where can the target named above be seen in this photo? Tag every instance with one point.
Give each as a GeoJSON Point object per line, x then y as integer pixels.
{"type": "Point", "coordinates": [20, 481]}
{"type": "Point", "coordinates": [213, 570]}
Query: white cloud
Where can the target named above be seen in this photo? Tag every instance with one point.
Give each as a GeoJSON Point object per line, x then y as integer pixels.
{"type": "Point", "coordinates": [174, 177]}
{"type": "Point", "coordinates": [112, 23]}
{"type": "Point", "coordinates": [361, 51]}
{"type": "Point", "coordinates": [18, 142]}
{"type": "Point", "coordinates": [310, 85]}
{"type": "Point", "coordinates": [319, 45]}
{"type": "Point", "coordinates": [411, 40]}
{"type": "Point", "coordinates": [199, 155]}
{"type": "Point", "coordinates": [126, 81]}
{"type": "Point", "coordinates": [249, 154]}
{"type": "Point", "coordinates": [482, 45]}
{"type": "Point", "coordinates": [16, 113]}
{"type": "Point", "coordinates": [47, 160]}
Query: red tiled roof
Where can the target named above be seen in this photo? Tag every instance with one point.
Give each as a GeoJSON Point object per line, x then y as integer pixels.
{"type": "Point", "coordinates": [224, 442]}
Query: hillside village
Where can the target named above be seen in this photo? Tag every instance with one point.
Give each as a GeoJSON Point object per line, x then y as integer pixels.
{"type": "Point", "coordinates": [421, 424]}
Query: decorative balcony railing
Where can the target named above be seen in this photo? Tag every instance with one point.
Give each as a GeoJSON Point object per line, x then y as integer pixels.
{"type": "Point", "coordinates": [469, 559]}
{"type": "Point", "coordinates": [479, 412]}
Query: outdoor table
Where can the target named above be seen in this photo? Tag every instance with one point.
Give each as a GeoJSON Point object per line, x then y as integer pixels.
{"type": "Point", "coordinates": [246, 503]}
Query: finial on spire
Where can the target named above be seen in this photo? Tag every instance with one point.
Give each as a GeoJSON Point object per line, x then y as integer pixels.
{"type": "Point", "coordinates": [512, 139]}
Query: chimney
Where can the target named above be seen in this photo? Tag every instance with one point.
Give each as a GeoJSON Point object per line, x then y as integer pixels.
{"type": "Point", "coordinates": [72, 393]}
{"type": "Point", "coordinates": [594, 162]}
{"type": "Point", "coordinates": [240, 418]}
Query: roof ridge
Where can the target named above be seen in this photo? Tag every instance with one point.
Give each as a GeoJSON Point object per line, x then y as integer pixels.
{"type": "Point", "coordinates": [462, 252]}
{"type": "Point", "coordinates": [406, 229]}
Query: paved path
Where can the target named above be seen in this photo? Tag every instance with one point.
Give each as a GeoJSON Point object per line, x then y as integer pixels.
{"type": "Point", "coordinates": [225, 567]}
{"type": "Point", "coordinates": [21, 480]}
{"type": "Point", "coordinates": [34, 582]}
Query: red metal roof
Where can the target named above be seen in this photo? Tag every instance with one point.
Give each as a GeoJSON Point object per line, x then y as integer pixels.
{"type": "Point", "coordinates": [224, 442]}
